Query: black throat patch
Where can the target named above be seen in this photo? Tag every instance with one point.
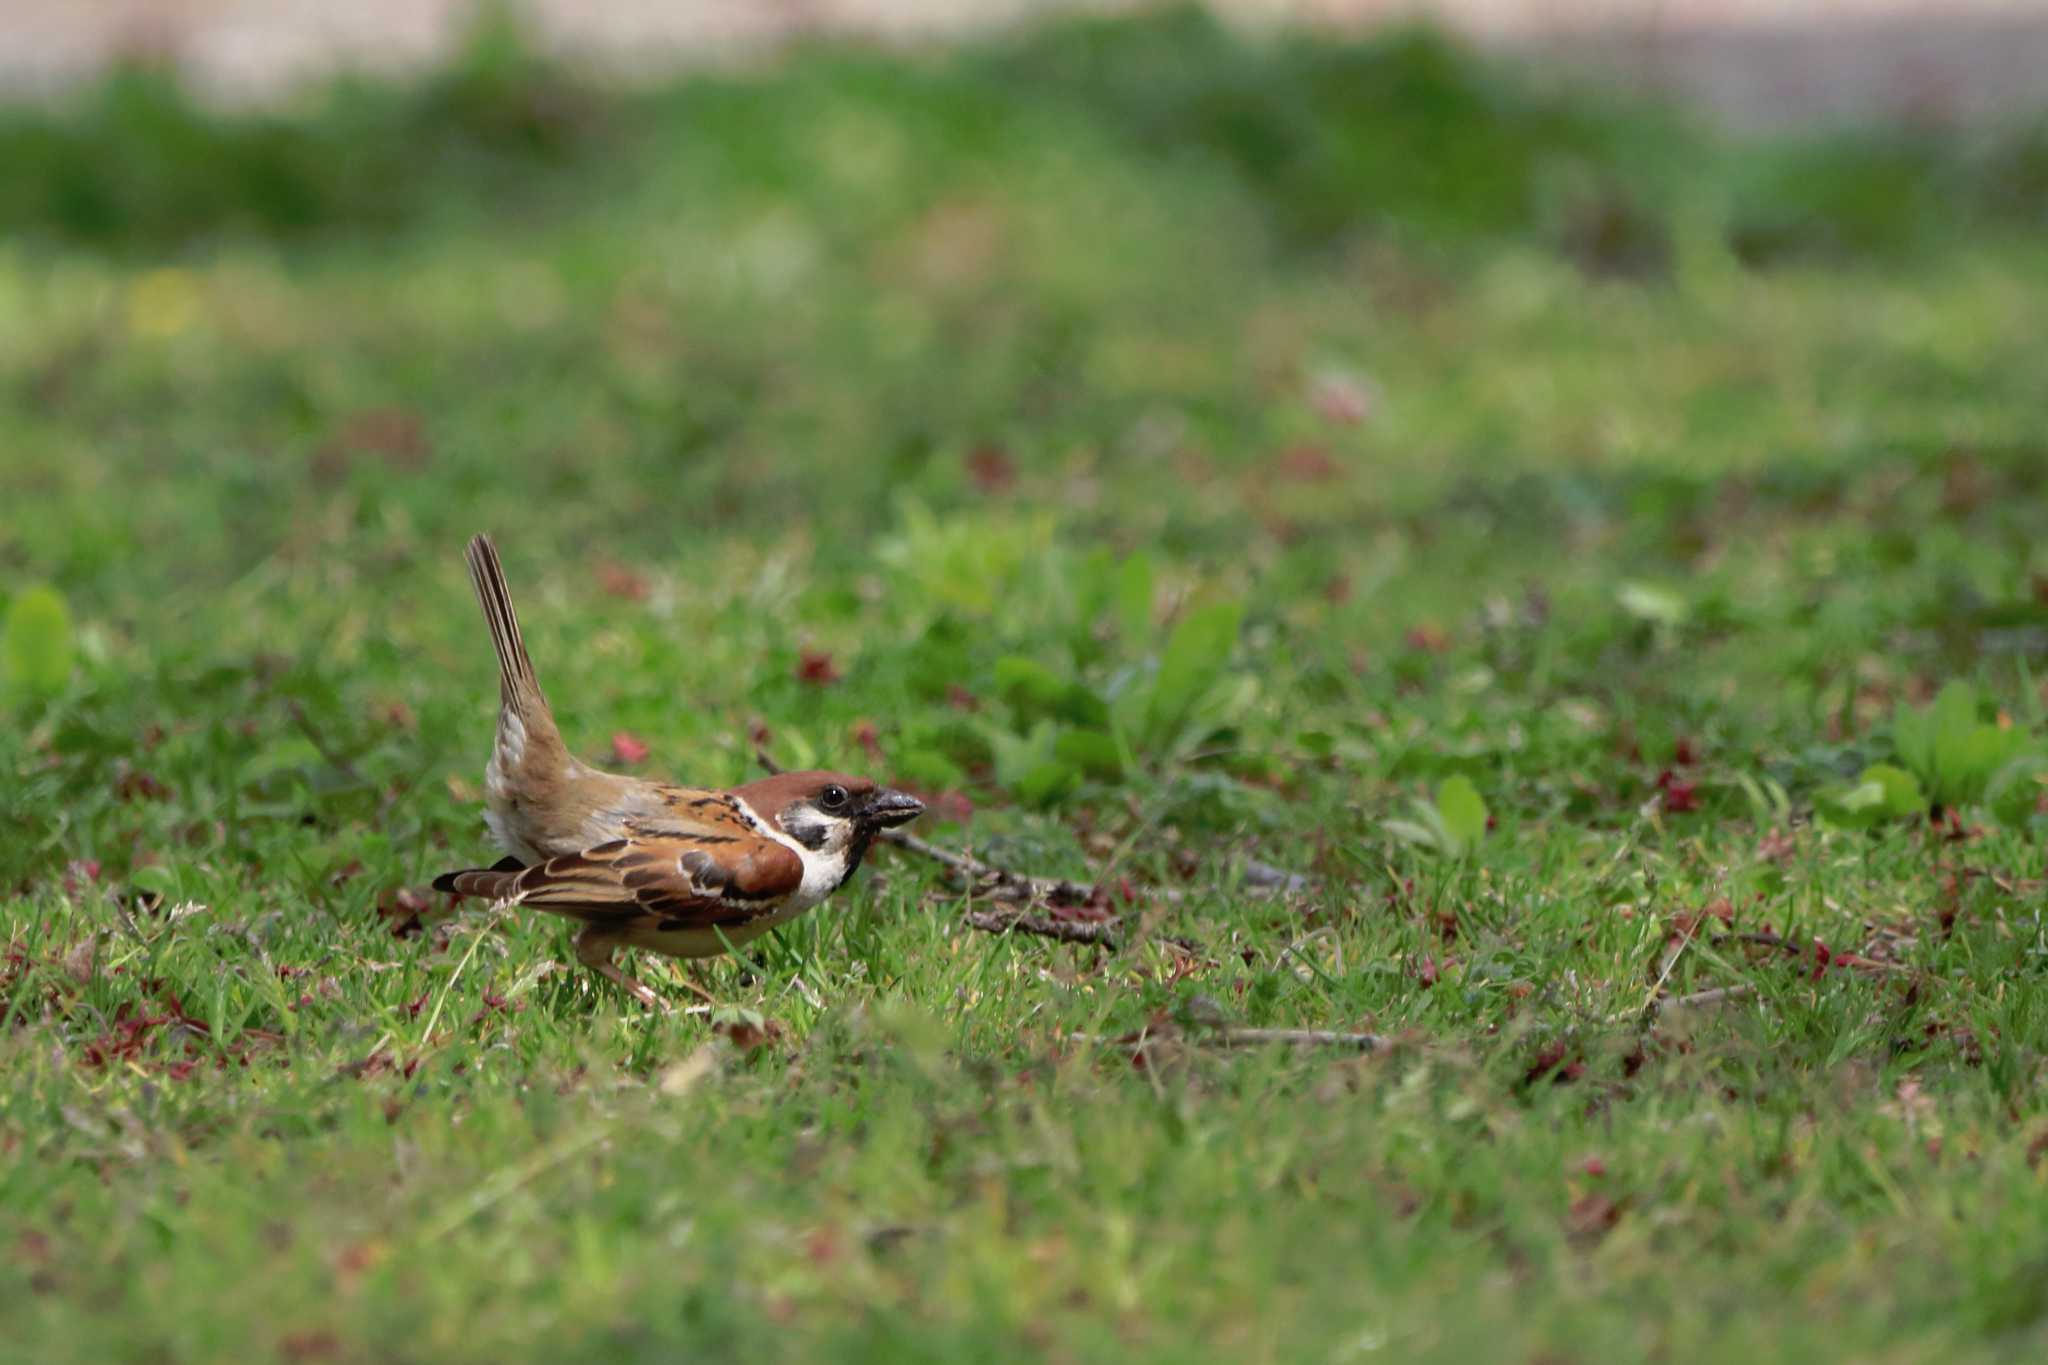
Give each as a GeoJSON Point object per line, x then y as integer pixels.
{"type": "Point", "coordinates": [855, 851]}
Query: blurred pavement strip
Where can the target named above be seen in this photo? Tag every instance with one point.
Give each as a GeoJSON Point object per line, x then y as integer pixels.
{"type": "Point", "coordinates": [1751, 62]}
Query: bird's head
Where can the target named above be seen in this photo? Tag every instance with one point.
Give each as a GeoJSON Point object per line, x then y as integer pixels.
{"type": "Point", "coordinates": [830, 813]}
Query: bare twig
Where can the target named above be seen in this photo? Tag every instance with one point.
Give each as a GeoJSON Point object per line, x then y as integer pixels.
{"type": "Point", "coordinates": [1718, 995]}
{"type": "Point", "coordinates": [1103, 933]}
{"type": "Point", "coordinates": [1296, 1037]}
{"type": "Point", "coordinates": [991, 881]}
{"type": "Point", "coordinates": [1248, 1037]}
{"type": "Point", "coordinates": [1007, 884]}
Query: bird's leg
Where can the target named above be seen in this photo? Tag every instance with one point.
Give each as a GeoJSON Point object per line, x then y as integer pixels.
{"type": "Point", "coordinates": [594, 948]}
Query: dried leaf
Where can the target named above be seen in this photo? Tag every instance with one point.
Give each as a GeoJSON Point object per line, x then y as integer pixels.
{"type": "Point", "coordinates": [815, 667]}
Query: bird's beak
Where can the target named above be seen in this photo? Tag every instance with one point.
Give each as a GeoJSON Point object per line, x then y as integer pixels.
{"type": "Point", "coordinates": [889, 808]}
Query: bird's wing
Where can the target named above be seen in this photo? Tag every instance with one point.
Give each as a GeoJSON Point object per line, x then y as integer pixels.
{"type": "Point", "coordinates": [659, 809]}
{"type": "Point", "coordinates": [673, 881]}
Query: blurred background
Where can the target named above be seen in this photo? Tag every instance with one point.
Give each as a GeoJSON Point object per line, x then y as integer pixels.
{"type": "Point", "coordinates": [1557, 479]}
{"type": "Point", "coordinates": [819, 364]}
{"type": "Point", "coordinates": [1753, 62]}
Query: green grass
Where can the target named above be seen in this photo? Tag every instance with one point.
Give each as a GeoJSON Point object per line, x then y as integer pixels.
{"type": "Point", "coordinates": [1185, 452]}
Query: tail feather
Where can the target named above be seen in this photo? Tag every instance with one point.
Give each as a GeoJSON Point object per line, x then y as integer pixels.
{"type": "Point", "coordinates": [517, 683]}
{"type": "Point", "coordinates": [492, 883]}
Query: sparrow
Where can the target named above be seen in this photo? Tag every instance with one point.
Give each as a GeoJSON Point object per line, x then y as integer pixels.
{"type": "Point", "coordinates": [688, 872]}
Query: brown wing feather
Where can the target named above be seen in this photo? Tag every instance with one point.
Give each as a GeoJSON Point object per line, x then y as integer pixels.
{"type": "Point", "coordinates": [683, 881]}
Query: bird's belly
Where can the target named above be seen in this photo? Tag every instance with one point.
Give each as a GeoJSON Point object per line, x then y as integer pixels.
{"type": "Point", "coordinates": [708, 942]}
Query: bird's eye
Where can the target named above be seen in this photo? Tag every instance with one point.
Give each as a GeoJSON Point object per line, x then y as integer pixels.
{"type": "Point", "coordinates": [833, 797]}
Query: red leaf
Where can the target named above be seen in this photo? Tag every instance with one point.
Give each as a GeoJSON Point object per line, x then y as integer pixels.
{"type": "Point", "coordinates": [302, 1346]}
{"type": "Point", "coordinates": [135, 785]}
{"type": "Point", "coordinates": [991, 468]}
{"type": "Point", "coordinates": [870, 742]}
{"type": "Point", "coordinates": [393, 435]}
{"type": "Point", "coordinates": [627, 748]}
{"type": "Point", "coordinates": [816, 668]}
{"type": "Point", "coordinates": [748, 1036]}
{"type": "Point", "coordinates": [616, 580]}
{"type": "Point", "coordinates": [1684, 755]}
{"type": "Point", "coordinates": [1306, 464]}
{"type": "Point", "coordinates": [1591, 1217]}
{"type": "Point", "coordinates": [1679, 796]}
{"type": "Point", "coordinates": [1547, 1060]}
{"type": "Point", "coordinates": [1343, 397]}
{"type": "Point", "coordinates": [1428, 637]}
{"type": "Point", "coordinates": [400, 908]}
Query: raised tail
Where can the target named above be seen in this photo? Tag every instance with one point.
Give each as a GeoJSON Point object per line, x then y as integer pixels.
{"type": "Point", "coordinates": [517, 684]}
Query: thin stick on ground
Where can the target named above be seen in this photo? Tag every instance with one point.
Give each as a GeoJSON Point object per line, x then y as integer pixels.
{"type": "Point", "coordinates": [1295, 1037]}
{"type": "Point", "coordinates": [1099, 933]}
{"type": "Point", "coordinates": [1715, 996]}
{"type": "Point", "coordinates": [1250, 1037]}
{"type": "Point", "coordinates": [996, 882]}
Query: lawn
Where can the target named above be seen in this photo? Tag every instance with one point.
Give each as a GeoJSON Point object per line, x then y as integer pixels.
{"type": "Point", "coordinates": [1603, 561]}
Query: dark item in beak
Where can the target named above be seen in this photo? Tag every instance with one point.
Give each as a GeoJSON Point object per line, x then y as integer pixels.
{"type": "Point", "coordinates": [887, 809]}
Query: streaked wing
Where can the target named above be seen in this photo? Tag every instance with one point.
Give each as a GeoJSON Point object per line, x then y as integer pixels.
{"type": "Point", "coordinates": [670, 882]}
{"type": "Point", "coordinates": [659, 810]}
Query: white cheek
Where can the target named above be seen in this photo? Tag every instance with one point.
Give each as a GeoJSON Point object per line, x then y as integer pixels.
{"type": "Point", "coordinates": [824, 866]}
